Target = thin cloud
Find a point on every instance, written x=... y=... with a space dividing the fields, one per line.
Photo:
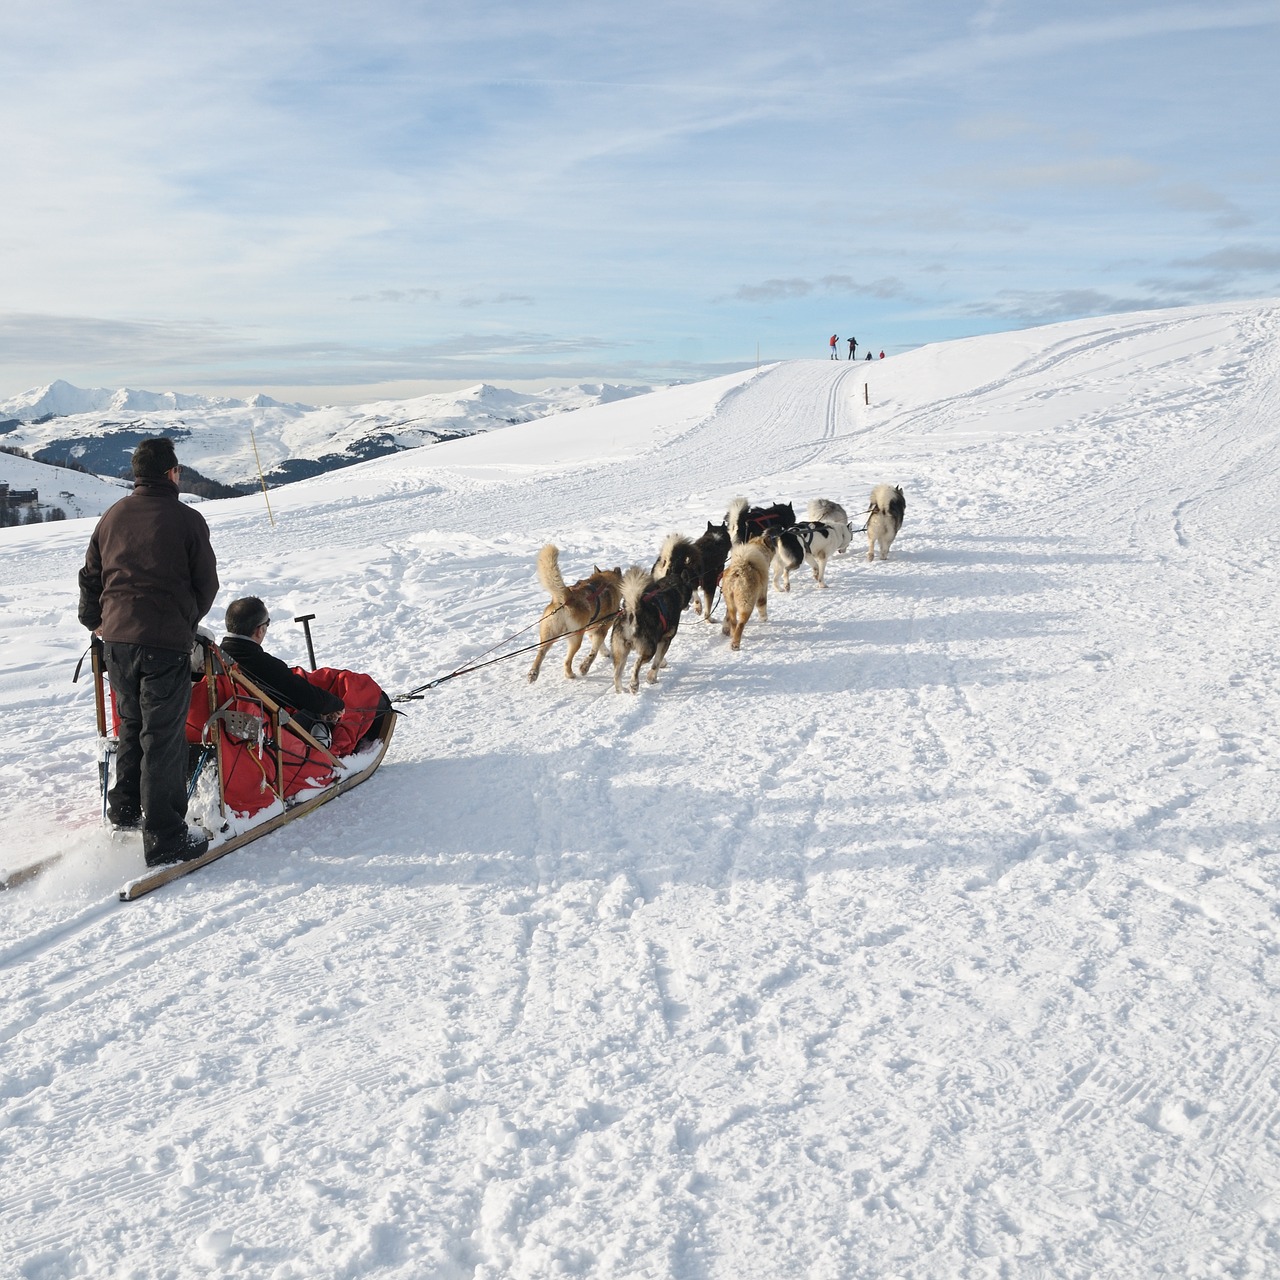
x=1194 y=197
x=787 y=290
x=213 y=355
x=1031 y=308
x=774 y=290
x=1236 y=260
x=498 y=300
x=1099 y=171
x=991 y=46
x=399 y=295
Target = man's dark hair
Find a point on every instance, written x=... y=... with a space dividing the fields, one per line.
x=246 y=615
x=154 y=458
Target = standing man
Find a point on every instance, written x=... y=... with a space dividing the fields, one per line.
x=149 y=576
x=853 y=346
x=835 y=350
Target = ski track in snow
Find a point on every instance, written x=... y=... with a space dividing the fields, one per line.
x=933 y=934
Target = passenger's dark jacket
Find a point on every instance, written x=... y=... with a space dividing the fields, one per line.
x=150 y=574
x=276 y=680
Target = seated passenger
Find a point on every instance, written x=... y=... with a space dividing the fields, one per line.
x=314 y=707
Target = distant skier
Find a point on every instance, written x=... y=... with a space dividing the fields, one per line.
x=882 y=355
x=868 y=355
x=853 y=346
x=835 y=350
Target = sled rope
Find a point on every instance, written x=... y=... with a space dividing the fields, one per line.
x=415 y=695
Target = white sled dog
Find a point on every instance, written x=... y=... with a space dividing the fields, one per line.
x=585 y=609
x=745 y=586
x=810 y=541
x=884 y=519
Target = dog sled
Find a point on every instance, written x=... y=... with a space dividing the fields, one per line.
x=240 y=741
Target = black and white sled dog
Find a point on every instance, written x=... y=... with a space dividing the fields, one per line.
x=680 y=555
x=746 y=522
x=647 y=622
x=700 y=562
x=884 y=518
x=827 y=512
x=812 y=541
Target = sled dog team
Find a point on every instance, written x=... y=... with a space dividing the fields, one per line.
x=639 y=610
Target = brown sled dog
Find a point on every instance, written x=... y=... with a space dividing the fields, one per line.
x=585 y=609
x=745 y=586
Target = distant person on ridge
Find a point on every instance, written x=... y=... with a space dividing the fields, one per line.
x=882 y=355
x=149 y=576
x=835 y=350
x=868 y=355
x=853 y=346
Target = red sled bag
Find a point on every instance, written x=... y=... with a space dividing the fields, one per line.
x=304 y=767
x=362 y=697
x=248 y=774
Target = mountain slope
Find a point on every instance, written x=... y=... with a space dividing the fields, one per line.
x=227 y=439
x=932 y=934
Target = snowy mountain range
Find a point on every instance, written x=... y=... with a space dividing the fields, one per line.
x=933 y=934
x=225 y=439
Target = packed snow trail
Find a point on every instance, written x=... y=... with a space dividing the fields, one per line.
x=933 y=934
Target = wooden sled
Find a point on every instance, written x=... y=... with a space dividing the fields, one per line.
x=273 y=718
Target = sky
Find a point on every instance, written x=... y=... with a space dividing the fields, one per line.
x=332 y=202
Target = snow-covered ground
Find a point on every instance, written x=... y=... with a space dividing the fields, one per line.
x=935 y=933
x=228 y=439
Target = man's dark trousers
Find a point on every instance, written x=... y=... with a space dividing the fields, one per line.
x=152 y=689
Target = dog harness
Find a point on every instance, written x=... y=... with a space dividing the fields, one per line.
x=596 y=592
x=655 y=598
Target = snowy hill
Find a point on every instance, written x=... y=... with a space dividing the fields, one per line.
x=932 y=934
x=72 y=492
x=99 y=428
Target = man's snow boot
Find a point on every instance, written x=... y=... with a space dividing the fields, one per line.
x=185 y=849
x=128 y=817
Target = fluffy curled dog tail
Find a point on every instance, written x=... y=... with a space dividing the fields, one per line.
x=736 y=519
x=888 y=500
x=549 y=573
x=825 y=511
x=635 y=582
x=662 y=565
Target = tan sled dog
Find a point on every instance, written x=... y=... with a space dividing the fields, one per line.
x=587 y=608
x=745 y=586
